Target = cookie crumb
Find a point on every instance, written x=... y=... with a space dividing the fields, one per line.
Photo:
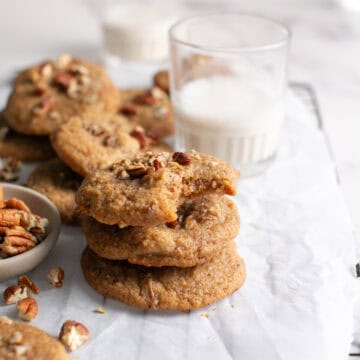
x=205 y=315
x=100 y=310
x=214 y=308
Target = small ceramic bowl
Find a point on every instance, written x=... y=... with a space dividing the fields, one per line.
x=40 y=205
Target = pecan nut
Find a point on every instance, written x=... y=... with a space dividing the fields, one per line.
x=139 y=135
x=181 y=158
x=15 y=293
x=24 y=280
x=27 y=308
x=73 y=334
x=56 y=276
x=17 y=240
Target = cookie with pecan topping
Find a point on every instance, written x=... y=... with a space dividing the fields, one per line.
x=94 y=140
x=23 y=341
x=148 y=190
x=23 y=147
x=59 y=183
x=47 y=95
x=202 y=228
x=149 y=108
x=166 y=288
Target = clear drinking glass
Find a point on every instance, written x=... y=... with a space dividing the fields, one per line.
x=228 y=81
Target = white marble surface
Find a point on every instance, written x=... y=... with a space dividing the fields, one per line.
x=325 y=52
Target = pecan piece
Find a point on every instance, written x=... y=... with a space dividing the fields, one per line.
x=128 y=109
x=64 y=80
x=28 y=309
x=15 y=293
x=137 y=172
x=56 y=276
x=73 y=334
x=139 y=135
x=157 y=164
x=181 y=158
x=172 y=224
x=24 y=280
x=40 y=89
x=146 y=98
x=45 y=70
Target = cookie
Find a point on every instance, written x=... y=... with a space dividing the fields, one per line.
x=94 y=140
x=166 y=288
x=148 y=190
x=203 y=227
x=23 y=147
x=161 y=80
x=47 y=95
x=59 y=183
x=23 y=341
x=150 y=109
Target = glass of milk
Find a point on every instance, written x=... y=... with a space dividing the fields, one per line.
x=228 y=81
x=135 y=30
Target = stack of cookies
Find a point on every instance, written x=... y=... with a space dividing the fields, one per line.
x=69 y=111
x=160 y=231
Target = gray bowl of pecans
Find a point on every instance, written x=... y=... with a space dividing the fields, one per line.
x=29 y=229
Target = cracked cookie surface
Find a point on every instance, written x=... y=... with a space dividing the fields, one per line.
x=47 y=95
x=148 y=190
x=59 y=183
x=203 y=227
x=166 y=288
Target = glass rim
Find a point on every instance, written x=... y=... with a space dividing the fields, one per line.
x=234 y=50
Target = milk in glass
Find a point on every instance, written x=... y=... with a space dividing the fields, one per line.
x=230 y=117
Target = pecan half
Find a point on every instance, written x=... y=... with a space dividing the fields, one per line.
x=181 y=158
x=17 y=240
x=9 y=218
x=18 y=204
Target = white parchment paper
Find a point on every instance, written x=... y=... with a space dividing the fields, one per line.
x=297 y=303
